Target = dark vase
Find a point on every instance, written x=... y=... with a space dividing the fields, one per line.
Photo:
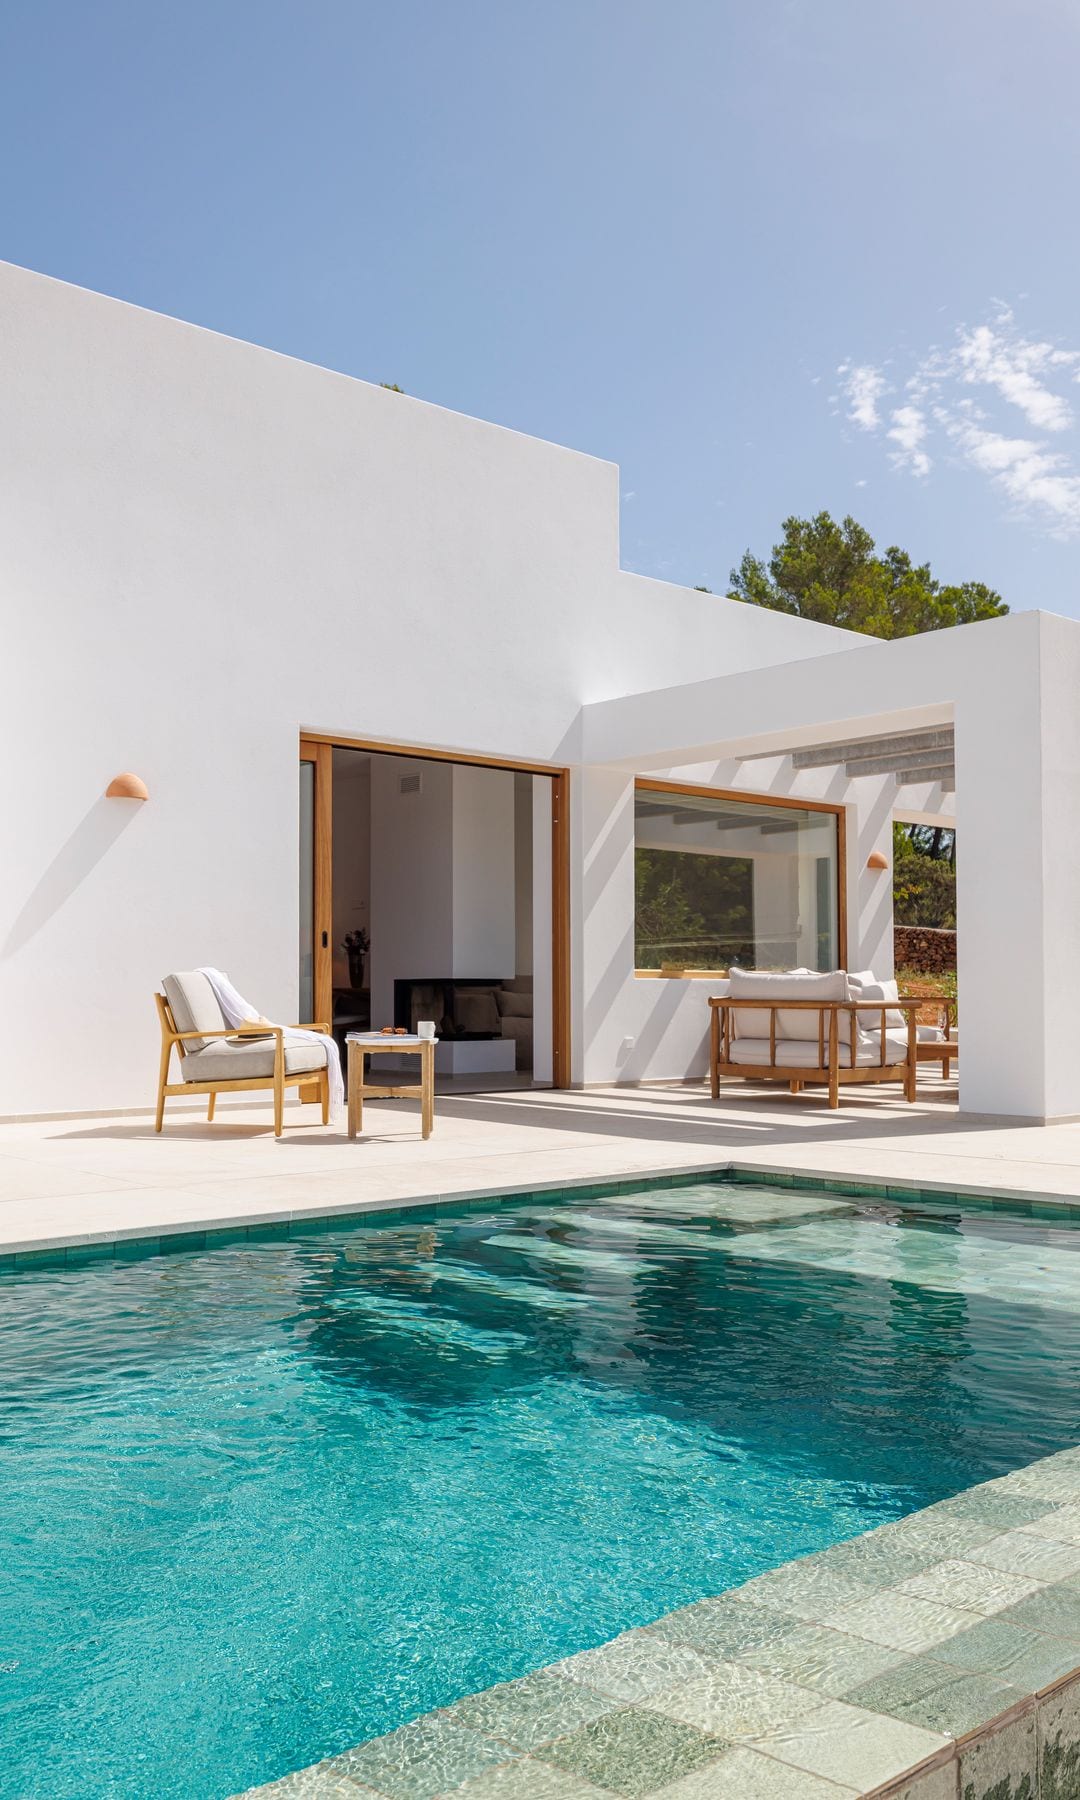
x=357 y=959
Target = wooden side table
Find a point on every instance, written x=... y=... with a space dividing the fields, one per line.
x=364 y=1043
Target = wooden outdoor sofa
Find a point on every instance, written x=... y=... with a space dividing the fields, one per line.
x=807 y=1030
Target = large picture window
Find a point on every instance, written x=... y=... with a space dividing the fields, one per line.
x=721 y=881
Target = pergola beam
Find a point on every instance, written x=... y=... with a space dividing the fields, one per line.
x=890 y=751
x=945 y=774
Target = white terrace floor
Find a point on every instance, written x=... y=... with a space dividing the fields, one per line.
x=85 y=1180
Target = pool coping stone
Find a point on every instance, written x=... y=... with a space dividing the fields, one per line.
x=68 y=1249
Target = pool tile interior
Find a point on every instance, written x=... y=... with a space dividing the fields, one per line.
x=835 y=1674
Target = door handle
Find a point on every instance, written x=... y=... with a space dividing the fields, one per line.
x=325 y=941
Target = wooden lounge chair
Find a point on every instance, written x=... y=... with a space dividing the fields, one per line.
x=216 y=1058
x=809 y=1030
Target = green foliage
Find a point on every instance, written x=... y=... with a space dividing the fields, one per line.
x=831 y=573
x=924 y=889
x=698 y=910
x=934 y=841
x=391 y=387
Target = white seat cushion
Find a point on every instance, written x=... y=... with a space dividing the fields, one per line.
x=230 y=1060
x=869 y=1051
x=791 y=985
x=799 y=1053
x=194 y=1006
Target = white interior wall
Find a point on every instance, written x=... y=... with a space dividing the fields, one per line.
x=442 y=875
x=523 y=874
x=352 y=853
x=412 y=877
x=483 y=924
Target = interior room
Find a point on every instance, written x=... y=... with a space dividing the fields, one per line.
x=441 y=882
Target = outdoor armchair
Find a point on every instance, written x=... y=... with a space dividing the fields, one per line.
x=216 y=1058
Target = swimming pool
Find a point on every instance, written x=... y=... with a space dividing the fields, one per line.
x=262 y=1502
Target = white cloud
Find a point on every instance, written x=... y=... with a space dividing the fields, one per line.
x=1038 y=481
x=997 y=356
x=968 y=394
x=862 y=386
x=907 y=432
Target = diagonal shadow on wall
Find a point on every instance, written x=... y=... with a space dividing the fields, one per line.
x=92 y=838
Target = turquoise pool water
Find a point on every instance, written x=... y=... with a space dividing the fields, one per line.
x=262 y=1502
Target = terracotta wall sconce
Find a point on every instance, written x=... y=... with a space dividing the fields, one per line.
x=127 y=787
x=877 y=860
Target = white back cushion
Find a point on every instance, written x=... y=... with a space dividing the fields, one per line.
x=880 y=990
x=790 y=985
x=194 y=1006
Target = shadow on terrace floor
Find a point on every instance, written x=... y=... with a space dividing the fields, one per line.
x=754 y=1116
x=744 y=1115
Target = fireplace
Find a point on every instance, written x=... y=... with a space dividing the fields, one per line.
x=462 y=1008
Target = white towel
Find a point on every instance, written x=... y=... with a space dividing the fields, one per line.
x=238 y=1011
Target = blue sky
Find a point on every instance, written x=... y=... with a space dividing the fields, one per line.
x=769 y=257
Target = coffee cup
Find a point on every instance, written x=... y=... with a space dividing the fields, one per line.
x=425 y=1028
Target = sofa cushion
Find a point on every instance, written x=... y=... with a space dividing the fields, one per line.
x=231 y=1060
x=879 y=990
x=194 y=1006
x=789 y=985
x=475 y=1010
x=512 y=1005
x=798 y=1053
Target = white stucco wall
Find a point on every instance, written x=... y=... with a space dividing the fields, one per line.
x=1010 y=685
x=205 y=547
x=639 y=1029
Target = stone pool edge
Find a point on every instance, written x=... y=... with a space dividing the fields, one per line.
x=878 y=1668
x=71 y=1248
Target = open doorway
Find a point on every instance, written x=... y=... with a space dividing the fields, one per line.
x=431 y=889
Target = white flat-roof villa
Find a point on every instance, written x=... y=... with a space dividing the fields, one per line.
x=474 y=1462
x=326 y=623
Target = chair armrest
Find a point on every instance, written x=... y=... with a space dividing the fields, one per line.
x=312 y=1025
x=230 y=1031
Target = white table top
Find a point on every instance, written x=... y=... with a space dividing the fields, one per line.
x=395 y=1041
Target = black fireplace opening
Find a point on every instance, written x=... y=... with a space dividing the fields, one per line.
x=461 y=1007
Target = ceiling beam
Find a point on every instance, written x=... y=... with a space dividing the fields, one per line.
x=946 y=774
x=887 y=765
x=896 y=745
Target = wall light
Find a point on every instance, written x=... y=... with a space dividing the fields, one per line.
x=877 y=860
x=127 y=787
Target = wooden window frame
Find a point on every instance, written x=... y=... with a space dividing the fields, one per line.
x=790 y=804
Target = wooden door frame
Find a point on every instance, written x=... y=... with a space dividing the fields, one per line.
x=322 y=896
x=318 y=747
